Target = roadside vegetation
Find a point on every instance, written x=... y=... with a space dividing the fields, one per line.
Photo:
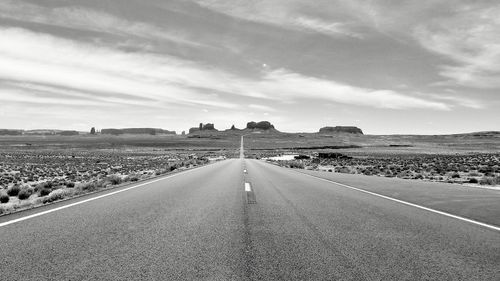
x=480 y=169
x=29 y=178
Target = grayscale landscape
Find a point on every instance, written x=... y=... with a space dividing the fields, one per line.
x=249 y=140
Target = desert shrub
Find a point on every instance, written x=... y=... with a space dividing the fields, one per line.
x=4 y=198
x=486 y=181
x=132 y=178
x=87 y=186
x=296 y=165
x=13 y=190
x=418 y=176
x=57 y=195
x=160 y=172
x=366 y=172
x=70 y=184
x=43 y=185
x=486 y=169
x=58 y=186
x=101 y=183
x=44 y=192
x=490 y=180
x=342 y=169
x=114 y=179
x=455 y=176
x=24 y=193
x=473 y=180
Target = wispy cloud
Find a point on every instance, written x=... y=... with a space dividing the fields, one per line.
x=29 y=57
x=285 y=14
x=460 y=101
x=470 y=39
x=45 y=94
x=285 y=85
x=330 y=28
x=86 y=19
x=261 y=107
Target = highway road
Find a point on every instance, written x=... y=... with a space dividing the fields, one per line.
x=243 y=219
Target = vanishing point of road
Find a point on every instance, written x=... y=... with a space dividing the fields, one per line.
x=244 y=219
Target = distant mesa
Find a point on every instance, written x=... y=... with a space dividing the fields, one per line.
x=203 y=127
x=38 y=132
x=232 y=130
x=483 y=134
x=7 y=132
x=208 y=126
x=209 y=130
x=340 y=129
x=137 y=131
x=42 y=132
x=69 y=133
x=262 y=125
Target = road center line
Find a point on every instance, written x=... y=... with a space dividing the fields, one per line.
x=248 y=188
x=493 y=227
x=93 y=198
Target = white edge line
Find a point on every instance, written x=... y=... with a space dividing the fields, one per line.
x=93 y=198
x=408 y=203
x=248 y=188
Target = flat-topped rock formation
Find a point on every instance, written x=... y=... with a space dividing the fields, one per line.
x=137 y=131
x=340 y=129
x=262 y=125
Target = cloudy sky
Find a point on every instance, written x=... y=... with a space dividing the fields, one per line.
x=420 y=67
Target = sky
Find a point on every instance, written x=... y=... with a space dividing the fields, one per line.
x=388 y=67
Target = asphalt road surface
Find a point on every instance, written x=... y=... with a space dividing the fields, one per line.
x=243 y=219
